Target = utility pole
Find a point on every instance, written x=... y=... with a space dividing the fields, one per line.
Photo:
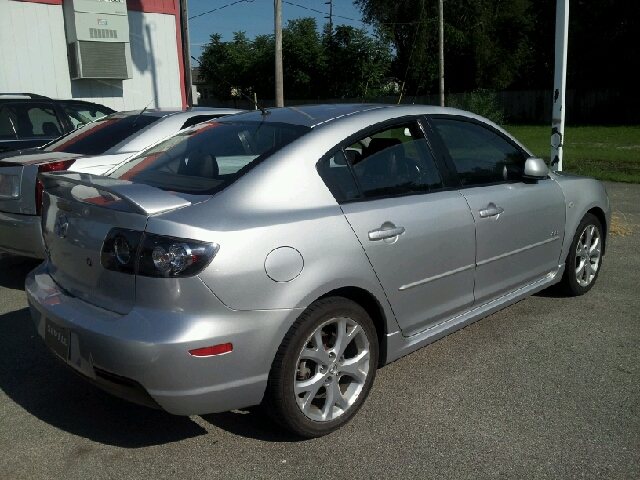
x=559 y=84
x=278 y=27
x=186 y=51
x=330 y=17
x=441 y=49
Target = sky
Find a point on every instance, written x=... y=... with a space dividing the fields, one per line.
x=255 y=17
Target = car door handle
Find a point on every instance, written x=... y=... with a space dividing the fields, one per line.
x=491 y=211
x=382 y=233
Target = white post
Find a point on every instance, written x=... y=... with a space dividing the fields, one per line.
x=278 y=35
x=559 y=84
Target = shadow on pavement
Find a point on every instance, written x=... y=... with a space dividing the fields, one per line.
x=251 y=422
x=14 y=269
x=37 y=381
x=554 y=291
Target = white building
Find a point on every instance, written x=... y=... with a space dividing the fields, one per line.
x=125 y=54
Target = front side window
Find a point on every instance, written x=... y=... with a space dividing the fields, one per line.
x=206 y=158
x=479 y=154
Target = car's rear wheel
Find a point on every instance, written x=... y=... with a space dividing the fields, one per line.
x=324 y=368
x=585 y=257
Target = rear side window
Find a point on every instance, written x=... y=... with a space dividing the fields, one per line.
x=480 y=155
x=394 y=161
x=198 y=119
x=29 y=120
x=208 y=157
x=102 y=135
x=80 y=114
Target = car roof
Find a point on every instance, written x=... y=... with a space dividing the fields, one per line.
x=164 y=112
x=313 y=116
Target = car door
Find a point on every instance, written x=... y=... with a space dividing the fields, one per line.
x=419 y=236
x=519 y=223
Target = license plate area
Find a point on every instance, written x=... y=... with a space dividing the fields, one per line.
x=9 y=186
x=57 y=338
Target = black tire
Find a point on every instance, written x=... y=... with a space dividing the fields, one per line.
x=570 y=284
x=288 y=370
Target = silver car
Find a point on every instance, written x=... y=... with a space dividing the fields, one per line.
x=280 y=259
x=92 y=148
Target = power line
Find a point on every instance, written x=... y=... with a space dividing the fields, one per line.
x=306 y=8
x=318 y=11
x=219 y=8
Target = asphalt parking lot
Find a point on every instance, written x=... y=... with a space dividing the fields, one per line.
x=547 y=388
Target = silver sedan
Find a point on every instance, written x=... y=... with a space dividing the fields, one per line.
x=281 y=258
x=91 y=148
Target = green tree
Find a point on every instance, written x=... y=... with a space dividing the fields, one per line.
x=486 y=41
x=347 y=63
x=356 y=63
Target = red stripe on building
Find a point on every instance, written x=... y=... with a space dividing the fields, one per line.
x=154 y=6
x=148 y=6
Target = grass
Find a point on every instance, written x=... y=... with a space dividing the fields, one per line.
x=606 y=153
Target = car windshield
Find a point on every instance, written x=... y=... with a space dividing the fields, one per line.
x=97 y=137
x=208 y=157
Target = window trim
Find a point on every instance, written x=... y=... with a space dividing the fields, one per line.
x=447 y=156
x=372 y=129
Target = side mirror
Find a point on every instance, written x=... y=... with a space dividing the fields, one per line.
x=535 y=169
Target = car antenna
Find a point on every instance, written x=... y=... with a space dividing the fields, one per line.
x=264 y=112
x=140 y=114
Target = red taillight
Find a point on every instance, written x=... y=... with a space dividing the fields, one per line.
x=211 y=351
x=48 y=167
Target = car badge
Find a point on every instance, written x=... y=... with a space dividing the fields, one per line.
x=62 y=225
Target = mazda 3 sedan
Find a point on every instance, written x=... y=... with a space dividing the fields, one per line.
x=281 y=258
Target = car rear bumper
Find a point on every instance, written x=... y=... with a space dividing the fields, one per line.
x=21 y=235
x=143 y=356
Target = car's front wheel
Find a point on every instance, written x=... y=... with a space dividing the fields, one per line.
x=585 y=257
x=324 y=368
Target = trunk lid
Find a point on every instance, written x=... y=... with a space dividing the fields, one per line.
x=78 y=212
x=24 y=169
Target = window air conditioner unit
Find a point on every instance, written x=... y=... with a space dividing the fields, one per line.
x=98 y=39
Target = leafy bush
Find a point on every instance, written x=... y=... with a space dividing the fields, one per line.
x=480 y=102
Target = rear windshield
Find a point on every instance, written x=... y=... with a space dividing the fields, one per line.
x=97 y=137
x=208 y=157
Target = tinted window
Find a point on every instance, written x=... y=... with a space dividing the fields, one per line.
x=7 y=131
x=479 y=154
x=80 y=114
x=393 y=161
x=29 y=120
x=197 y=119
x=103 y=134
x=337 y=174
x=206 y=158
